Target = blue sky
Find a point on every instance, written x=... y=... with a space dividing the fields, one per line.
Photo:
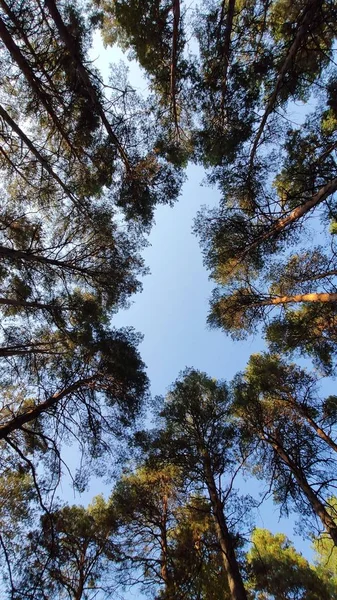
x=171 y=310
x=171 y=313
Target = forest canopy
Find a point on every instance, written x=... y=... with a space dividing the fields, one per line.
x=85 y=162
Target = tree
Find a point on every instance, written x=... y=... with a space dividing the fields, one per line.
x=278 y=571
x=68 y=260
x=289 y=451
x=155 y=34
x=146 y=503
x=65 y=94
x=325 y=555
x=70 y=555
x=274 y=178
x=196 y=556
x=166 y=537
x=198 y=437
x=17 y=510
x=295 y=392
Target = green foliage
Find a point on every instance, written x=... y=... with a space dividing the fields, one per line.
x=71 y=554
x=326 y=555
x=84 y=166
x=278 y=571
x=282 y=420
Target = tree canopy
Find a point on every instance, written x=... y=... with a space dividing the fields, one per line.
x=246 y=90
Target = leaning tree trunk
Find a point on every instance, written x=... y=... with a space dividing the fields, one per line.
x=235 y=583
x=31 y=414
x=292 y=218
x=316 y=504
x=312 y=297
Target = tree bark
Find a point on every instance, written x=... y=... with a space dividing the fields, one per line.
x=230 y=564
x=316 y=504
x=25 y=349
x=43 y=161
x=175 y=35
x=35 y=84
x=33 y=413
x=296 y=214
x=313 y=297
x=25 y=304
x=225 y=48
x=320 y=432
x=73 y=51
x=7 y=9
x=164 y=570
x=307 y=18
x=31 y=257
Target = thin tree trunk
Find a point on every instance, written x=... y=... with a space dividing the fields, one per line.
x=43 y=161
x=230 y=564
x=164 y=571
x=225 y=46
x=323 y=275
x=25 y=304
x=31 y=257
x=175 y=35
x=81 y=579
x=320 y=432
x=313 y=297
x=26 y=350
x=31 y=48
x=316 y=504
x=82 y=71
x=35 y=84
x=33 y=413
x=296 y=214
x=307 y=18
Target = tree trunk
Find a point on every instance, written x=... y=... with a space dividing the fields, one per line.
x=302 y=31
x=175 y=35
x=31 y=257
x=316 y=504
x=25 y=304
x=82 y=71
x=230 y=564
x=164 y=570
x=7 y=9
x=225 y=49
x=313 y=297
x=281 y=224
x=43 y=161
x=320 y=432
x=35 y=84
x=25 y=349
x=33 y=413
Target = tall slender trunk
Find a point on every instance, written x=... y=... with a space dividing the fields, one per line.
x=28 y=349
x=175 y=35
x=318 y=507
x=225 y=49
x=78 y=592
x=43 y=161
x=306 y=20
x=32 y=257
x=21 y=32
x=164 y=570
x=295 y=215
x=33 y=413
x=313 y=297
x=230 y=564
x=35 y=84
x=25 y=304
x=320 y=432
x=83 y=73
